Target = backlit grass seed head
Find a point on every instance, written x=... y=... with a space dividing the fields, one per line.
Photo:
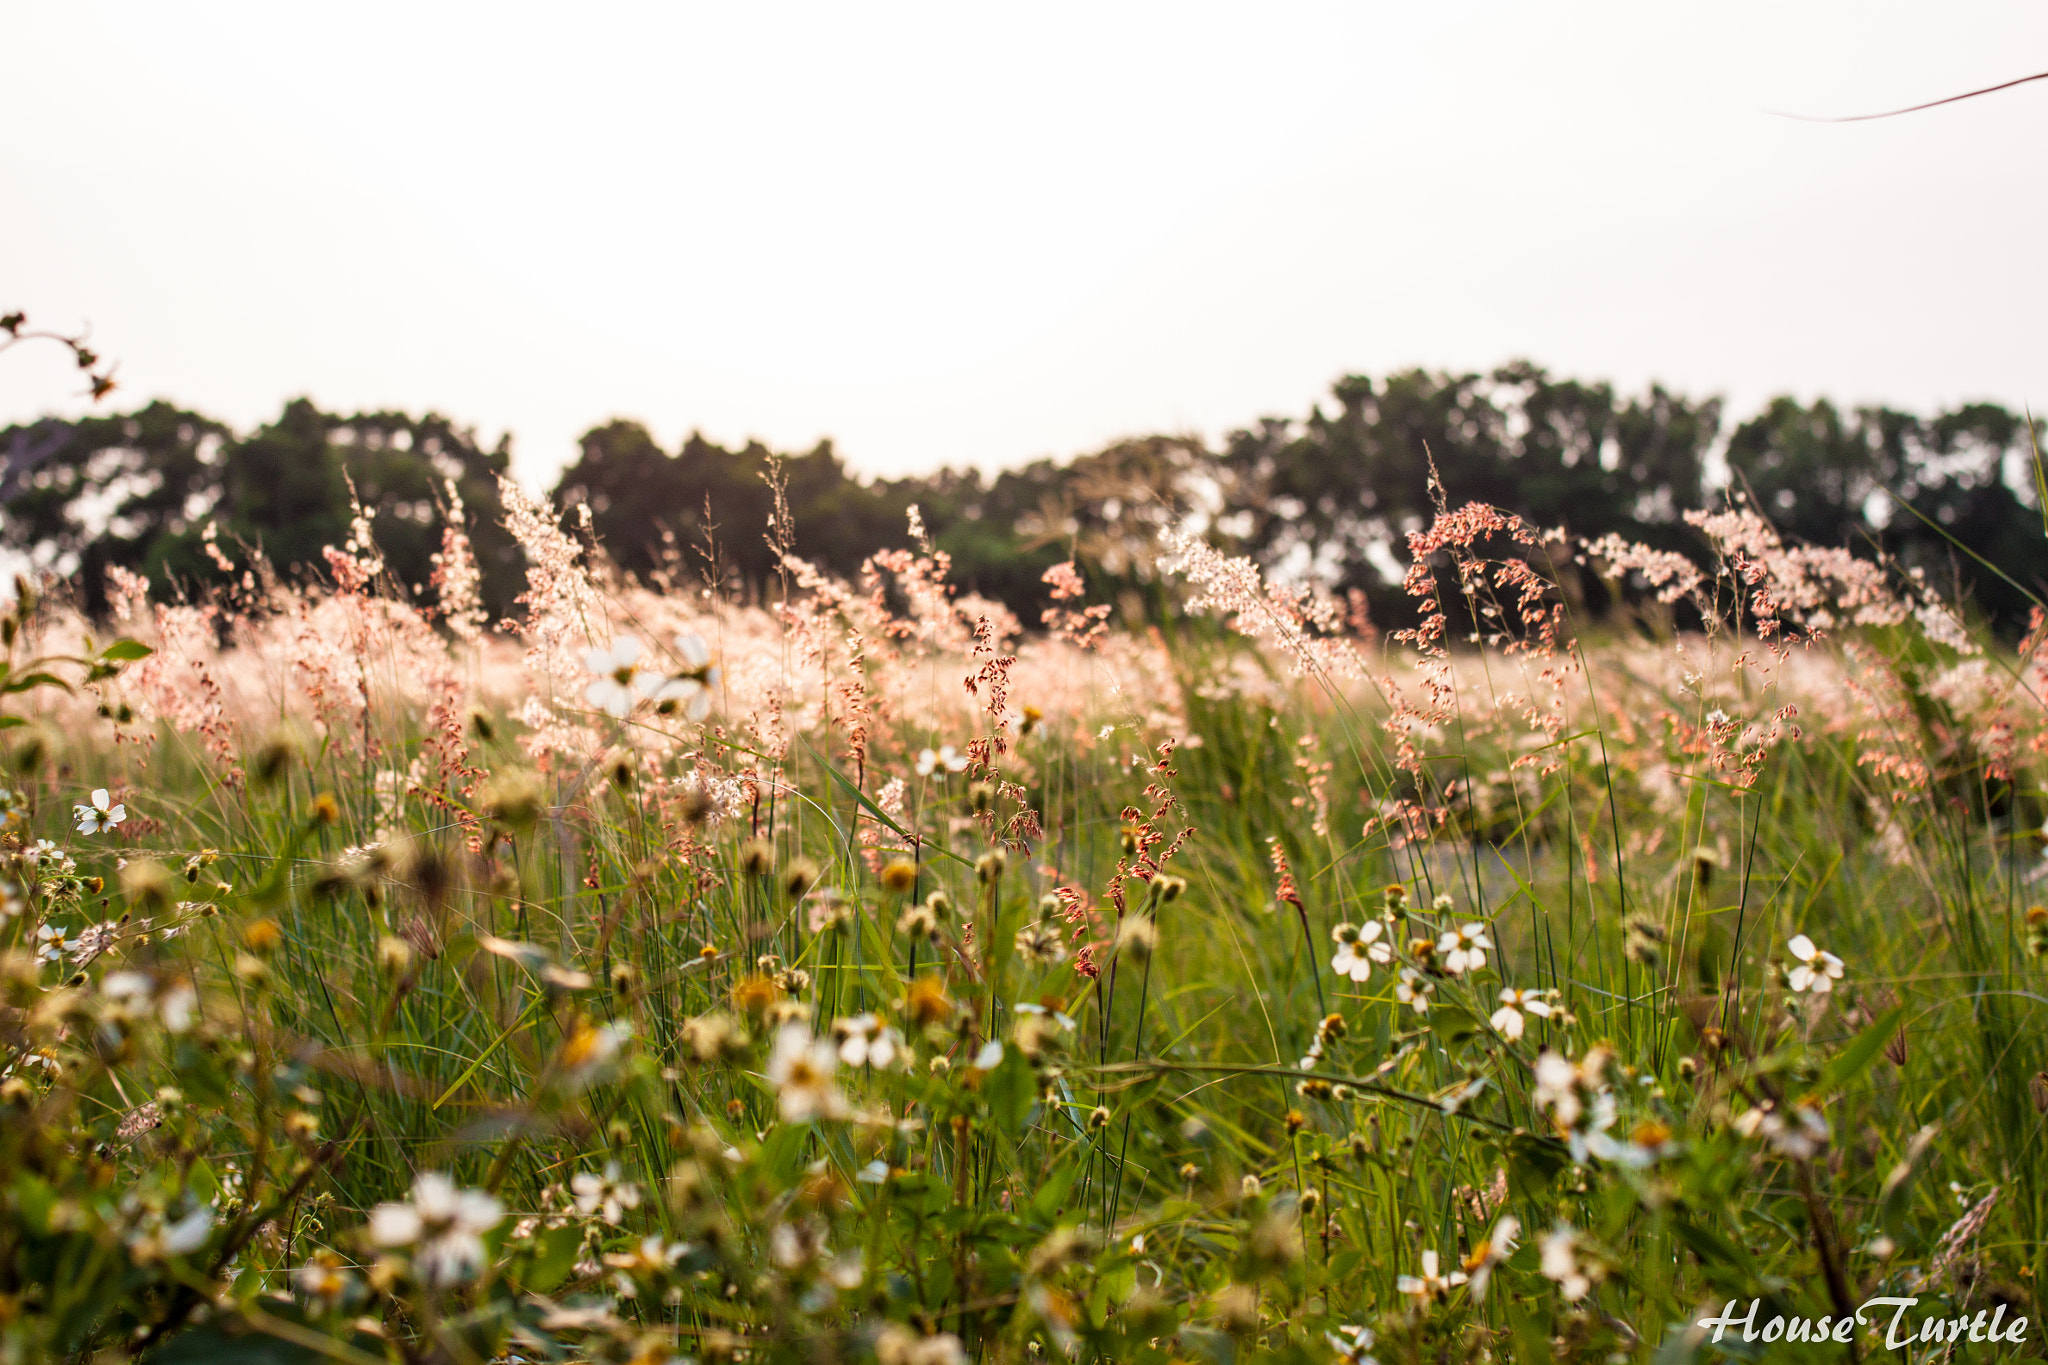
x=989 y=866
x=981 y=797
x=799 y=877
x=1250 y=1187
x=1236 y=1308
x=147 y=886
x=325 y=810
x=1313 y=1089
x=1274 y=1244
x=757 y=857
x=2037 y=930
x=1644 y=943
x=716 y=1037
x=926 y=1002
x=394 y=955
x=695 y=805
x=899 y=876
x=262 y=936
x=918 y=921
x=941 y=906
x=1098 y=1119
x=513 y=798
x=1129 y=841
x=1137 y=936
x=1041 y=945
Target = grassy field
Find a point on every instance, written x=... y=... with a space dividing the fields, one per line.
x=861 y=976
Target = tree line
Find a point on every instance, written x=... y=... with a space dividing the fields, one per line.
x=1329 y=495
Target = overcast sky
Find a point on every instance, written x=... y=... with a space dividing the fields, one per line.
x=970 y=233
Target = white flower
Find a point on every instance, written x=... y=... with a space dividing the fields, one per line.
x=945 y=756
x=99 y=815
x=444 y=1222
x=1513 y=1005
x=618 y=676
x=133 y=989
x=188 y=1234
x=1498 y=1246
x=801 y=1068
x=52 y=942
x=1351 y=1344
x=1358 y=948
x=1802 y=1137
x=690 y=687
x=1818 y=971
x=1414 y=990
x=1557 y=1087
x=875 y=1172
x=177 y=1005
x=865 y=1041
x=1464 y=948
x=1561 y=1263
x=605 y=1194
x=1429 y=1284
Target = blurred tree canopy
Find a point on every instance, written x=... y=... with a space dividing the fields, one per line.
x=1328 y=497
x=139 y=491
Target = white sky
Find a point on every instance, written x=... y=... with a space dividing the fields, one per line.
x=970 y=233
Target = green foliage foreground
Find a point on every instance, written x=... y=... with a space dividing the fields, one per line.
x=1530 y=1002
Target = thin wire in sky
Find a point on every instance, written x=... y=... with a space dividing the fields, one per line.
x=1915 y=108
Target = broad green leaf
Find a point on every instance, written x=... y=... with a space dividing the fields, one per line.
x=1852 y=1061
x=124 y=651
x=1011 y=1090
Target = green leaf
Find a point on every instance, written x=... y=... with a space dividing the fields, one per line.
x=553 y=1259
x=1532 y=1164
x=124 y=651
x=28 y=680
x=876 y=811
x=1052 y=1194
x=1453 y=1023
x=9 y=722
x=1011 y=1090
x=1852 y=1061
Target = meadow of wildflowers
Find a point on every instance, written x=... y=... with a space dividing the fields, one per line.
x=867 y=974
